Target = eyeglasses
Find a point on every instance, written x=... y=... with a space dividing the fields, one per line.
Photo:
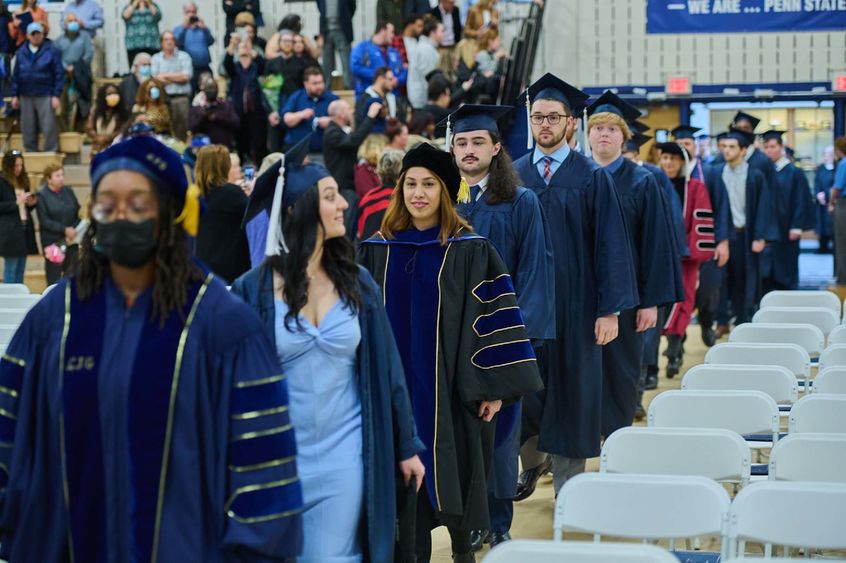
x=136 y=210
x=553 y=118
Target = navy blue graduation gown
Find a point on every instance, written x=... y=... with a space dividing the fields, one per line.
x=761 y=224
x=127 y=441
x=674 y=206
x=793 y=203
x=823 y=180
x=462 y=340
x=518 y=230
x=594 y=277
x=659 y=280
x=388 y=431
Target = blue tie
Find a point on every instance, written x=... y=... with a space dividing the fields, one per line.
x=474 y=193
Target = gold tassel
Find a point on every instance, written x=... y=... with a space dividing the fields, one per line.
x=463 y=192
x=190 y=216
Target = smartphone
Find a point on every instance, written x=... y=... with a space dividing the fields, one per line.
x=242 y=33
x=249 y=173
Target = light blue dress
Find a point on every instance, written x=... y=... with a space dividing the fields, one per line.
x=325 y=409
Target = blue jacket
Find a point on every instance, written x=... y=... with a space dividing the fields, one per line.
x=388 y=431
x=365 y=60
x=299 y=101
x=39 y=73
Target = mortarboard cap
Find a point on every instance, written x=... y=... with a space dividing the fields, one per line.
x=672 y=148
x=638 y=126
x=745 y=139
x=442 y=164
x=637 y=141
x=684 y=132
x=612 y=103
x=551 y=87
x=474 y=117
x=276 y=190
x=773 y=134
x=789 y=152
x=743 y=116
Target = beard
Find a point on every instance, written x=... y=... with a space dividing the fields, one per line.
x=556 y=138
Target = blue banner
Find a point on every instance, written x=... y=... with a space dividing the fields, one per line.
x=736 y=16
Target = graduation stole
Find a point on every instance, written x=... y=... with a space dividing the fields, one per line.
x=152 y=395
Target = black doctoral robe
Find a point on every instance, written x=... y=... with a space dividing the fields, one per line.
x=594 y=277
x=462 y=340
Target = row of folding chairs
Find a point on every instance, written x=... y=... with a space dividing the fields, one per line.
x=15 y=303
x=13 y=289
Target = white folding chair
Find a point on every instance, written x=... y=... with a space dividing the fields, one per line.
x=12 y=316
x=721 y=455
x=831 y=380
x=545 y=551
x=779 y=560
x=822 y=317
x=18 y=301
x=791 y=356
x=647 y=507
x=833 y=356
x=809 y=457
x=776 y=381
x=838 y=335
x=802 y=515
x=804 y=335
x=13 y=289
x=7 y=332
x=802 y=298
x=818 y=412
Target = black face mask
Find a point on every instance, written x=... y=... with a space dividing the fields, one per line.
x=126 y=243
x=211 y=94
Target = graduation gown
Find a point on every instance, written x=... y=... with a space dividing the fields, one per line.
x=127 y=441
x=793 y=203
x=659 y=281
x=518 y=230
x=823 y=180
x=594 y=277
x=462 y=340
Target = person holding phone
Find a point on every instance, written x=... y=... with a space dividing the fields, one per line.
x=193 y=37
x=141 y=18
x=17 y=234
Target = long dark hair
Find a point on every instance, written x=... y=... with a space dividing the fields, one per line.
x=301 y=237
x=7 y=170
x=101 y=109
x=175 y=269
x=502 y=180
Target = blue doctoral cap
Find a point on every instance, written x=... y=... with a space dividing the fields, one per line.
x=743 y=116
x=637 y=141
x=148 y=156
x=200 y=141
x=773 y=134
x=684 y=132
x=612 y=103
x=475 y=117
x=275 y=192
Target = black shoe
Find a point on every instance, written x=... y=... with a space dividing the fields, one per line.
x=640 y=413
x=651 y=381
x=464 y=557
x=673 y=367
x=709 y=337
x=528 y=479
x=497 y=538
x=478 y=538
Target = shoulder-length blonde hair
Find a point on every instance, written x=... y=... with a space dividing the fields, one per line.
x=372 y=148
x=212 y=168
x=397 y=217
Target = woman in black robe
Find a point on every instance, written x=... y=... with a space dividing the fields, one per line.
x=461 y=337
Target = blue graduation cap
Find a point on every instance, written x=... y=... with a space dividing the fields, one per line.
x=743 y=116
x=550 y=87
x=279 y=187
x=637 y=141
x=790 y=152
x=684 y=132
x=745 y=139
x=773 y=134
x=474 y=117
x=612 y=103
x=442 y=164
x=638 y=126
x=673 y=148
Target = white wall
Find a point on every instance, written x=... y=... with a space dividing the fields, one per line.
x=604 y=42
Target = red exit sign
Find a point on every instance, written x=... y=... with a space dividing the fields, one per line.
x=678 y=85
x=839 y=82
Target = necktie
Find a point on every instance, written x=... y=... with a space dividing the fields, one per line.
x=474 y=193
x=547 y=169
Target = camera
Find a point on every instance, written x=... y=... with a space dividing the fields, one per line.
x=193 y=20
